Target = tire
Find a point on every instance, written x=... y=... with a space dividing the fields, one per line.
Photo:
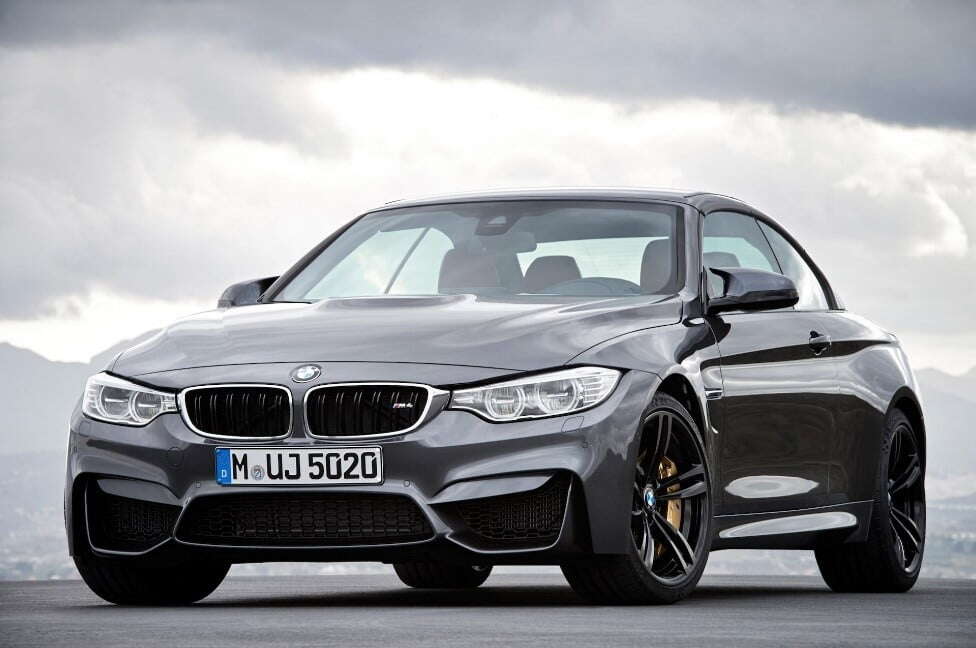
x=882 y=563
x=440 y=575
x=127 y=582
x=631 y=579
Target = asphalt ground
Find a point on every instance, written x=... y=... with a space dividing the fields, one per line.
x=509 y=610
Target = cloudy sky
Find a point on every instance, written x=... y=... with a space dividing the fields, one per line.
x=152 y=153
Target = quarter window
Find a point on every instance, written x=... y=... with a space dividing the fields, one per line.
x=733 y=240
x=811 y=292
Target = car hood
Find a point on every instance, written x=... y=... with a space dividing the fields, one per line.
x=517 y=333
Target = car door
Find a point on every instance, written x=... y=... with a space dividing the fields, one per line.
x=777 y=423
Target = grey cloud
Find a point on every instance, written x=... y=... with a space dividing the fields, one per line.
x=906 y=62
x=102 y=123
x=91 y=148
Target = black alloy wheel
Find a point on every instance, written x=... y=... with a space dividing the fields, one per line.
x=906 y=497
x=891 y=558
x=670 y=518
x=670 y=498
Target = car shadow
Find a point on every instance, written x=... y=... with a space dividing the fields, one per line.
x=498 y=596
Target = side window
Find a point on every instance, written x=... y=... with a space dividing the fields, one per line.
x=808 y=286
x=732 y=240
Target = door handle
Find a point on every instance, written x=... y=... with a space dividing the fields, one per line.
x=819 y=342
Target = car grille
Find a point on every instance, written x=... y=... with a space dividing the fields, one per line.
x=364 y=410
x=123 y=524
x=246 y=411
x=303 y=519
x=531 y=518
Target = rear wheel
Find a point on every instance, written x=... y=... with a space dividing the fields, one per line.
x=891 y=558
x=441 y=575
x=670 y=513
x=132 y=582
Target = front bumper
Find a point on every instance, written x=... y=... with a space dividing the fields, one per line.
x=452 y=470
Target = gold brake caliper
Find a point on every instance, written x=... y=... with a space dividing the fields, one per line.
x=666 y=469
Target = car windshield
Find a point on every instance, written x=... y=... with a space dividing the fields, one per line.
x=541 y=247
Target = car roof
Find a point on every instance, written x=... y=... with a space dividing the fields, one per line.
x=704 y=200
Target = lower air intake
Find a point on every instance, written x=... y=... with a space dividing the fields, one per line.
x=123 y=524
x=303 y=519
x=533 y=518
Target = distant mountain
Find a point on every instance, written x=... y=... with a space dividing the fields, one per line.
x=100 y=360
x=37 y=395
x=963 y=386
x=950 y=409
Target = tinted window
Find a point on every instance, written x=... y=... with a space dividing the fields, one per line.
x=734 y=240
x=808 y=286
x=369 y=271
x=613 y=257
x=420 y=271
x=578 y=248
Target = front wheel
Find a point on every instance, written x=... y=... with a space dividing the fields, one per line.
x=670 y=514
x=134 y=582
x=891 y=558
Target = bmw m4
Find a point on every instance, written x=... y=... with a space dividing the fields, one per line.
x=617 y=382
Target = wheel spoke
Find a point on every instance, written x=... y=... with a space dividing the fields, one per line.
x=899 y=545
x=695 y=471
x=638 y=506
x=696 y=489
x=663 y=439
x=641 y=473
x=906 y=529
x=907 y=477
x=894 y=454
x=643 y=541
x=647 y=547
x=672 y=537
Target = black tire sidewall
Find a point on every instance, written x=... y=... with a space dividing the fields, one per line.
x=880 y=528
x=139 y=582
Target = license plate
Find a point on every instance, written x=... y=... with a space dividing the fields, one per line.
x=297 y=466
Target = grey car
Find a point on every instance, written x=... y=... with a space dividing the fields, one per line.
x=613 y=381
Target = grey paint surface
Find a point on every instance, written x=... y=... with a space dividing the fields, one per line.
x=449 y=329
x=510 y=609
x=456 y=339
x=454 y=447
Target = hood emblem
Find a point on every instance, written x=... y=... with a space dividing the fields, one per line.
x=306 y=373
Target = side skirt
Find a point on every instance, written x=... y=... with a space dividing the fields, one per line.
x=797 y=529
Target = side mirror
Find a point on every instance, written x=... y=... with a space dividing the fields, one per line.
x=245 y=292
x=748 y=290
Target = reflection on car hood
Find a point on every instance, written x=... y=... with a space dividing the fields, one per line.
x=517 y=333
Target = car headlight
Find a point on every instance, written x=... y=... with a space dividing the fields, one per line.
x=551 y=394
x=114 y=400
